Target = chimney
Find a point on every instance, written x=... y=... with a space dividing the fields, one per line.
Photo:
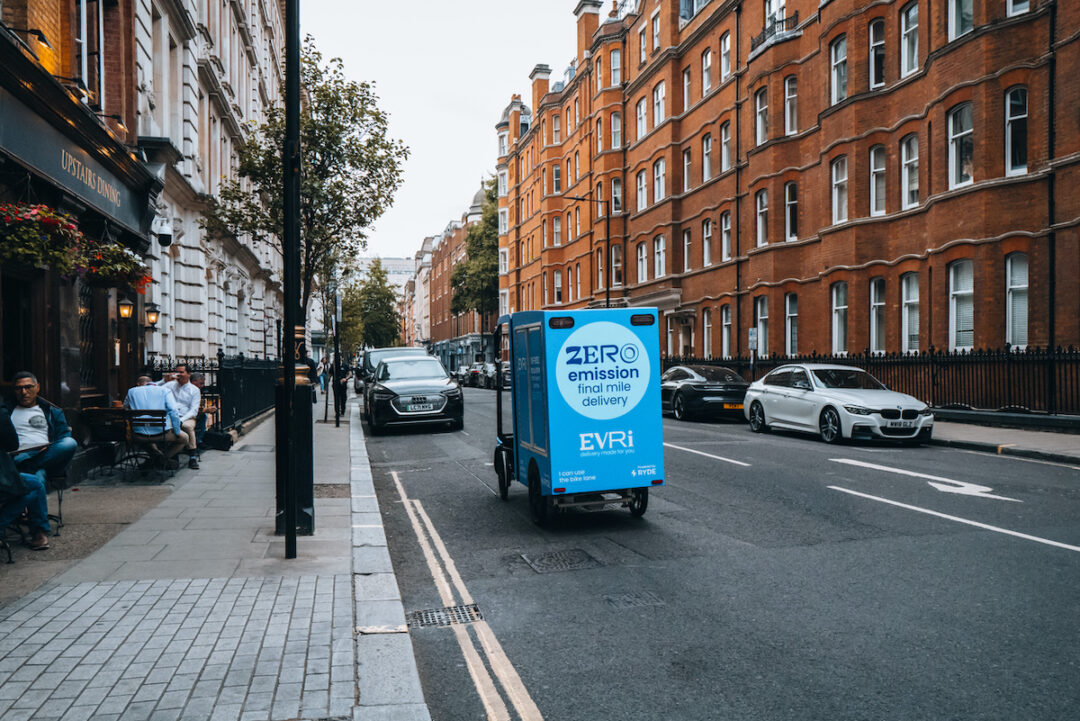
x=588 y=19
x=539 y=76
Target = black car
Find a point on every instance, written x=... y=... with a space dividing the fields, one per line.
x=701 y=390
x=370 y=361
x=407 y=390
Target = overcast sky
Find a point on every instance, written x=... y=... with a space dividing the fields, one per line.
x=444 y=71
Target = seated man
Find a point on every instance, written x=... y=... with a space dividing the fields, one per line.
x=30 y=493
x=199 y=380
x=45 y=442
x=187 y=397
x=148 y=397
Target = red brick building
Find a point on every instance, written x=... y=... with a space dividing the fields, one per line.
x=839 y=175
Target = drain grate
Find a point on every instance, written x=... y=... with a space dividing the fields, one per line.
x=449 y=616
x=635 y=600
x=572 y=560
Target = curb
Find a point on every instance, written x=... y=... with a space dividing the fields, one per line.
x=387 y=681
x=1008 y=450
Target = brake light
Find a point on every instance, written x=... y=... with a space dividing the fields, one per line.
x=658 y=482
x=559 y=490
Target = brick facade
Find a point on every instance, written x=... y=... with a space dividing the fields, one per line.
x=820 y=141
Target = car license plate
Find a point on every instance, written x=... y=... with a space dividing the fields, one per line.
x=421 y=407
x=900 y=424
x=733 y=406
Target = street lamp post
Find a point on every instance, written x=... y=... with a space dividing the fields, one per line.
x=605 y=207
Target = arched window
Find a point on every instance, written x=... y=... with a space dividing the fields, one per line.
x=1016 y=105
x=1016 y=298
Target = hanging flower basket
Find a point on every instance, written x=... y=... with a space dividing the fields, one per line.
x=37 y=235
x=111 y=265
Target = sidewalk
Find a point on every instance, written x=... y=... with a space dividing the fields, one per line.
x=1039 y=445
x=193 y=613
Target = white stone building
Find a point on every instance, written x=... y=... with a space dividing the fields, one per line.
x=421 y=312
x=206 y=70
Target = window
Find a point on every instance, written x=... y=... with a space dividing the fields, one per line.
x=774 y=12
x=659 y=104
x=839 y=318
x=656 y=31
x=504 y=302
x=706 y=333
x=600 y=206
x=569 y=227
x=616 y=195
x=616 y=130
x=642 y=263
x=761 y=322
x=616 y=67
x=686 y=89
x=599 y=74
x=577 y=166
x=599 y=268
x=577 y=222
x=641 y=46
x=725 y=147
x=839 y=190
x=961 y=145
x=556 y=231
x=659 y=257
x=687 y=249
x=616 y=266
x=961 y=305
x=706 y=72
x=877 y=180
x=877 y=53
x=877 y=315
x=687 y=165
x=577 y=281
x=791 y=324
x=504 y=261
x=706 y=158
x=838 y=59
x=791 y=105
x=641 y=119
x=1016 y=131
x=791 y=211
x=909 y=312
x=556 y=135
x=545 y=289
x=706 y=242
x=1016 y=296
x=761 y=204
x=761 y=116
x=658 y=180
x=502 y=144
x=504 y=221
x=502 y=183
x=909 y=174
x=642 y=197
x=960 y=18
x=909 y=39
x=1016 y=7
x=557 y=178
x=725 y=56
x=725 y=235
x=557 y=278
x=725 y=331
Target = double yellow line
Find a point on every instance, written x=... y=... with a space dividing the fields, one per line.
x=490 y=659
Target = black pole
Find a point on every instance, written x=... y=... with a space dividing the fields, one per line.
x=338 y=388
x=293 y=320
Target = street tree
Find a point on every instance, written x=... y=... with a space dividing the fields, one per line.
x=350 y=171
x=475 y=281
x=377 y=307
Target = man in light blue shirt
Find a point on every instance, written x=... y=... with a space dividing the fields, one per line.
x=145 y=397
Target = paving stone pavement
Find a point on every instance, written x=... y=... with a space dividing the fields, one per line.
x=125 y=635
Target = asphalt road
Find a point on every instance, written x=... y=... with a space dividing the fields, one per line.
x=773 y=577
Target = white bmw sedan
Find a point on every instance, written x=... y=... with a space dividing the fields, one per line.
x=836 y=402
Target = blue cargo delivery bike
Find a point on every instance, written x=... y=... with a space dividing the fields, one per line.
x=586 y=429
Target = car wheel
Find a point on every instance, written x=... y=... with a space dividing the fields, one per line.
x=829 y=425
x=678 y=407
x=539 y=506
x=757 y=418
x=639 y=501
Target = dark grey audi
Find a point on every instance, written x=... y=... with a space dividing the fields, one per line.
x=411 y=390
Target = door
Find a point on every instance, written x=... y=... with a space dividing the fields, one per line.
x=775 y=396
x=800 y=401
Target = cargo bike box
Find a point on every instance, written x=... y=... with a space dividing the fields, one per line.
x=587 y=429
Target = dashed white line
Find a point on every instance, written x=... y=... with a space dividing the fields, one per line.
x=707 y=455
x=957 y=519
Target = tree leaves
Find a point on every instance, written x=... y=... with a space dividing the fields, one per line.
x=475 y=281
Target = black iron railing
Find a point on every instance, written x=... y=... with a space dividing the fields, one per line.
x=1036 y=380
x=772 y=28
x=239 y=388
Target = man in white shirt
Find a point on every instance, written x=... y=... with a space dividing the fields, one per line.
x=187 y=397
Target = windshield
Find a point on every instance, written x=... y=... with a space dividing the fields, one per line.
x=718 y=374
x=847 y=378
x=406 y=369
x=372 y=357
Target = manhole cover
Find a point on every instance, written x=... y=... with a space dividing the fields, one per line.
x=449 y=616
x=573 y=560
x=257 y=448
x=634 y=600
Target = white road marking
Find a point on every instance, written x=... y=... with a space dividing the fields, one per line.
x=946 y=485
x=466 y=433
x=707 y=455
x=1022 y=459
x=497 y=659
x=984 y=526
